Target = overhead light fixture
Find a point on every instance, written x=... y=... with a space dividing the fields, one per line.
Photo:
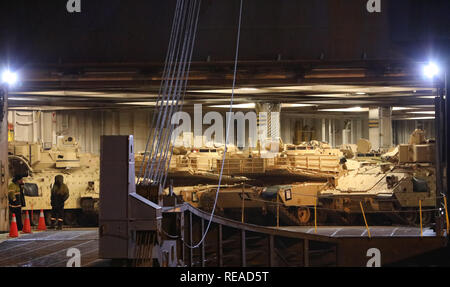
x=418 y=118
x=431 y=70
x=238 y=106
x=139 y=103
x=9 y=77
x=360 y=93
x=331 y=95
x=295 y=105
x=353 y=109
x=229 y=91
x=160 y=103
x=423 y=112
x=401 y=108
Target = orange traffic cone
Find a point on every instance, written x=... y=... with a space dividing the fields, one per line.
x=13 y=232
x=26 y=225
x=41 y=225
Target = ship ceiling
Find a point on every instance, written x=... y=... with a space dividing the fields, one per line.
x=302 y=87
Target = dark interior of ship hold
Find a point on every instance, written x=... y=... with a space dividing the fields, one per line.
x=226 y=133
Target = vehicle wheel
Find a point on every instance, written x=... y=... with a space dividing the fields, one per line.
x=87 y=219
x=411 y=217
x=70 y=217
x=303 y=215
x=354 y=218
x=427 y=217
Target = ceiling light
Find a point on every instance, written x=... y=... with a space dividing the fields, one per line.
x=295 y=105
x=229 y=91
x=140 y=103
x=419 y=118
x=238 y=106
x=431 y=70
x=353 y=109
x=401 y=108
x=423 y=112
x=9 y=77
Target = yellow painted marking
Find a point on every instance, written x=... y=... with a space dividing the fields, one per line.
x=367 y=226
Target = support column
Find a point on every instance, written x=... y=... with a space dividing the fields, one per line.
x=268 y=115
x=347 y=132
x=353 y=132
x=4 y=214
x=330 y=133
x=374 y=128
x=324 y=130
x=359 y=130
x=380 y=128
x=385 y=128
x=446 y=137
x=333 y=131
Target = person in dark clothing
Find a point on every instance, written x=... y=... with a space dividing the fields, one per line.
x=16 y=199
x=60 y=193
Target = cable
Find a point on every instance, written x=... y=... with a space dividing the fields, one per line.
x=165 y=101
x=226 y=134
x=186 y=59
x=174 y=21
x=172 y=98
x=172 y=89
x=185 y=86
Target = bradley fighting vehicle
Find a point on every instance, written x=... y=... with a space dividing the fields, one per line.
x=190 y=166
x=40 y=166
x=308 y=161
x=391 y=192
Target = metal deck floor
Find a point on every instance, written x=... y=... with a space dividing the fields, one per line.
x=49 y=248
x=361 y=231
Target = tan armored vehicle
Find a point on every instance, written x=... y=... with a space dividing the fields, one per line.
x=313 y=160
x=316 y=160
x=362 y=151
x=80 y=171
x=194 y=166
x=390 y=193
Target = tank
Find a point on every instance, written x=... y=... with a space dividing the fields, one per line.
x=192 y=166
x=40 y=166
x=393 y=191
x=308 y=161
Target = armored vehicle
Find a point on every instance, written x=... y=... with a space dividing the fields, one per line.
x=40 y=166
x=192 y=166
x=396 y=192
